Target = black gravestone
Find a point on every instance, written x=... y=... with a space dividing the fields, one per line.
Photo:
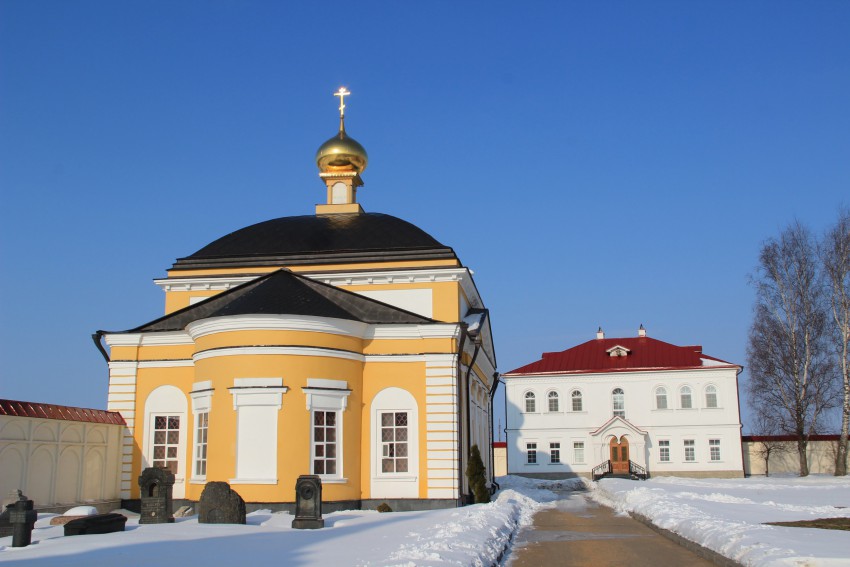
x=96 y=524
x=220 y=504
x=155 y=485
x=308 y=503
x=22 y=517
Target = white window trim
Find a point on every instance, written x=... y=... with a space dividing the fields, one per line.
x=560 y=454
x=558 y=401
x=329 y=396
x=669 y=454
x=716 y=397
x=525 y=403
x=201 y=395
x=583 y=452
x=254 y=392
x=536 y=453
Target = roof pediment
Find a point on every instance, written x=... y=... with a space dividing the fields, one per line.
x=617 y=423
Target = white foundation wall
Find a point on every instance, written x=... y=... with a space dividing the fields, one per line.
x=58 y=462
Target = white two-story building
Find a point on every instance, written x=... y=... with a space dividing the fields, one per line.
x=624 y=405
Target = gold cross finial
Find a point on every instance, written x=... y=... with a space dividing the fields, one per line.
x=342 y=93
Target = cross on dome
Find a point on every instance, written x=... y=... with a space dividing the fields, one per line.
x=342 y=93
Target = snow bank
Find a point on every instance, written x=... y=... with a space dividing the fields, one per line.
x=473 y=535
x=728 y=515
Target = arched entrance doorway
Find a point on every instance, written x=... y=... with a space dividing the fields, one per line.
x=619 y=455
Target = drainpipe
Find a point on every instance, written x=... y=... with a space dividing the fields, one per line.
x=469 y=397
x=461 y=342
x=494 y=486
x=96 y=337
x=741 y=427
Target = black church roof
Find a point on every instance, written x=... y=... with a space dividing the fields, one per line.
x=313 y=239
x=284 y=293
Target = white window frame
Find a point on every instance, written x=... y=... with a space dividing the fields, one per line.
x=573 y=398
x=621 y=412
x=578 y=452
x=686 y=392
x=529 y=397
x=552 y=396
x=328 y=396
x=663 y=450
x=201 y=395
x=554 y=452
x=714 y=454
x=531 y=453
x=167 y=400
x=690 y=450
x=711 y=390
x=661 y=396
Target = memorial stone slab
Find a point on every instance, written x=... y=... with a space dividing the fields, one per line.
x=308 y=503
x=155 y=486
x=220 y=504
x=96 y=524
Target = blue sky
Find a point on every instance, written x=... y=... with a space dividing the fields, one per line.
x=605 y=163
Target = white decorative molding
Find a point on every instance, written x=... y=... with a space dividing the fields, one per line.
x=329 y=325
x=438 y=331
x=328 y=395
x=278 y=350
x=148 y=339
x=177 y=363
x=221 y=283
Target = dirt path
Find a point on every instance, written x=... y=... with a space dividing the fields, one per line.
x=582 y=533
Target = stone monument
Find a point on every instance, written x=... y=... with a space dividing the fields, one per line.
x=22 y=517
x=308 y=503
x=155 y=485
x=220 y=504
x=96 y=524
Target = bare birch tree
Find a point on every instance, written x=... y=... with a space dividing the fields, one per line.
x=767 y=441
x=790 y=378
x=835 y=256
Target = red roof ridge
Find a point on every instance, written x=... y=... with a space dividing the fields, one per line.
x=17 y=408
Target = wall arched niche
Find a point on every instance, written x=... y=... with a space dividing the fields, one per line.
x=40 y=475
x=11 y=470
x=69 y=480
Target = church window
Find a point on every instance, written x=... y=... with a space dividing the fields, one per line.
x=530 y=403
x=531 y=453
x=619 y=402
x=578 y=451
x=166 y=441
x=664 y=450
x=325 y=442
x=555 y=453
x=690 y=451
x=711 y=396
x=661 y=398
x=394 y=442
x=201 y=428
x=685 y=395
x=714 y=449
x=576 y=400
x=553 y=401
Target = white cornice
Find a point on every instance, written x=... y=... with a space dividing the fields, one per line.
x=148 y=339
x=444 y=331
x=277 y=350
x=165 y=363
x=365 y=277
x=214 y=325
x=637 y=373
x=214 y=283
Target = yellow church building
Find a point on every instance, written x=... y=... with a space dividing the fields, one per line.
x=346 y=344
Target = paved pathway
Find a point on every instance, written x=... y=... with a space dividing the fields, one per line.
x=582 y=533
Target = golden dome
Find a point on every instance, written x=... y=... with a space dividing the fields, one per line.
x=341 y=153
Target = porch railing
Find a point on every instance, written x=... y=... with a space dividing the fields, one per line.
x=601 y=470
x=637 y=470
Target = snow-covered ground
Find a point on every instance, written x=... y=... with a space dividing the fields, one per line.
x=728 y=515
x=473 y=535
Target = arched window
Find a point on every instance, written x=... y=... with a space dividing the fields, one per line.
x=619 y=402
x=530 y=406
x=685 y=395
x=553 y=401
x=576 y=397
x=661 y=398
x=711 y=396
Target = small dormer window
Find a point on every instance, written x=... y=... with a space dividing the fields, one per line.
x=618 y=351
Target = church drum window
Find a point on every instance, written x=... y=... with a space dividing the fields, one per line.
x=394 y=442
x=553 y=401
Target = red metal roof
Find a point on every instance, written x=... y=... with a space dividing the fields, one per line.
x=643 y=353
x=51 y=411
